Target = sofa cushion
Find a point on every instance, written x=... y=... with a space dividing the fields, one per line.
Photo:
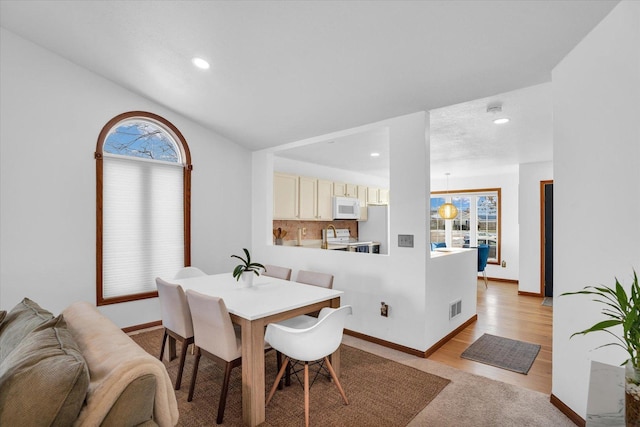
x=44 y=380
x=21 y=320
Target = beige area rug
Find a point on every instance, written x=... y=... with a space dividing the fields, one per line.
x=505 y=353
x=473 y=400
x=381 y=392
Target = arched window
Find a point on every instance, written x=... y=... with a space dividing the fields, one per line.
x=143 y=188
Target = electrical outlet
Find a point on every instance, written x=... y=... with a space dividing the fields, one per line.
x=504 y=264
x=405 y=240
x=384 y=309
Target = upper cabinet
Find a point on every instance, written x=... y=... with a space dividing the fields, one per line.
x=377 y=196
x=302 y=198
x=285 y=196
x=362 y=198
x=383 y=196
x=345 y=190
x=325 y=192
x=310 y=199
x=315 y=199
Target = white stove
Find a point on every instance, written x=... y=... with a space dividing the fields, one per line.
x=343 y=237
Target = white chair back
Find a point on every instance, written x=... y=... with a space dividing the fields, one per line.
x=312 y=343
x=174 y=308
x=187 y=272
x=278 y=272
x=323 y=280
x=212 y=326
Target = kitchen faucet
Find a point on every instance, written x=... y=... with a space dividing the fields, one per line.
x=325 y=244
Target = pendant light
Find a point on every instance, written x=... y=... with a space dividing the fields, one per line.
x=447 y=210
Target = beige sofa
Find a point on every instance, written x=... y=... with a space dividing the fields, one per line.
x=79 y=369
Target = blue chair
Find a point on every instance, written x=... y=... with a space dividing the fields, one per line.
x=483 y=256
x=438 y=245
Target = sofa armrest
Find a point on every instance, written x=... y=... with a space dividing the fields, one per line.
x=134 y=407
x=115 y=361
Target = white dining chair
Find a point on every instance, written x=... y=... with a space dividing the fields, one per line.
x=283 y=273
x=176 y=320
x=323 y=280
x=314 y=278
x=309 y=344
x=188 y=272
x=216 y=338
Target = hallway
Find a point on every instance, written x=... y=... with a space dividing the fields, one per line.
x=502 y=312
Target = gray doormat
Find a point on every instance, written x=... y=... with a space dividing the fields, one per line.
x=505 y=353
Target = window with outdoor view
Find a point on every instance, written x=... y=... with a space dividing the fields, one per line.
x=143 y=170
x=477 y=222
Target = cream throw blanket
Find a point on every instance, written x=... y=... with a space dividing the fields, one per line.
x=114 y=361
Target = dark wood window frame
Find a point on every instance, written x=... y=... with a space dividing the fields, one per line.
x=187 y=168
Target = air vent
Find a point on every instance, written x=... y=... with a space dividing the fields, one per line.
x=455 y=308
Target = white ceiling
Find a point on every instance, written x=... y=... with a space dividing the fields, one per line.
x=284 y=71
x=465 y=141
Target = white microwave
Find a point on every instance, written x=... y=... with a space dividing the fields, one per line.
x=346 y=208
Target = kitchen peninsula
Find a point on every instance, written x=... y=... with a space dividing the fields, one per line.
x=440 y=252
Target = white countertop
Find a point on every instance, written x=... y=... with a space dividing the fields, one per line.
x=439 y=252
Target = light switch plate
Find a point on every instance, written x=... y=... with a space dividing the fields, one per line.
x=405 y=240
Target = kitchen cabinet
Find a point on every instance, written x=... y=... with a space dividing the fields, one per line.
x=372 y=196
x=311 y=199
x=315 y=199
x=285 y=196
x=324 y=205
x=362 y=198
x=308 y=198
x=377 y=196
x=383 y=196
x=345 y=190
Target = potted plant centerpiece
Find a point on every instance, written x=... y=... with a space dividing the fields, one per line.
x=247 y=269
x=621 y=309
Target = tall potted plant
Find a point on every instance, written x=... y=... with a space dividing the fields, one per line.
x=247 y=269
x=621 y=309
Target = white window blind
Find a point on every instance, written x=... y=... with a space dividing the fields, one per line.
x=143 y=224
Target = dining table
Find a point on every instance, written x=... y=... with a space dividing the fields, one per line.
x=268 y=300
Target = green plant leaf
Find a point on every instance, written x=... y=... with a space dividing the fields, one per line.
x=246 y=265
x=621 y=308
x=600 y=326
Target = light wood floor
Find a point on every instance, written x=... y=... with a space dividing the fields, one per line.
x=502 y=312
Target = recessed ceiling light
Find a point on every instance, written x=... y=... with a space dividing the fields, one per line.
x=375 y=154
x=496 y=108
x=200 y=63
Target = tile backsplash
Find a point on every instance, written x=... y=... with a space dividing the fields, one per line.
x=314 y=228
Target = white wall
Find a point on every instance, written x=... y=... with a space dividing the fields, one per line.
x=529 y=213
x=596 y=92
x=507 y=181
x=400 y=278
x=51 y=113
x=295 y=167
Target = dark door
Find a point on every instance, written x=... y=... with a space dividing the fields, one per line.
x=548 y=240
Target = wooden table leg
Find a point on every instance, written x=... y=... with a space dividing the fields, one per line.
x=335 y=356
x=253 y=391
